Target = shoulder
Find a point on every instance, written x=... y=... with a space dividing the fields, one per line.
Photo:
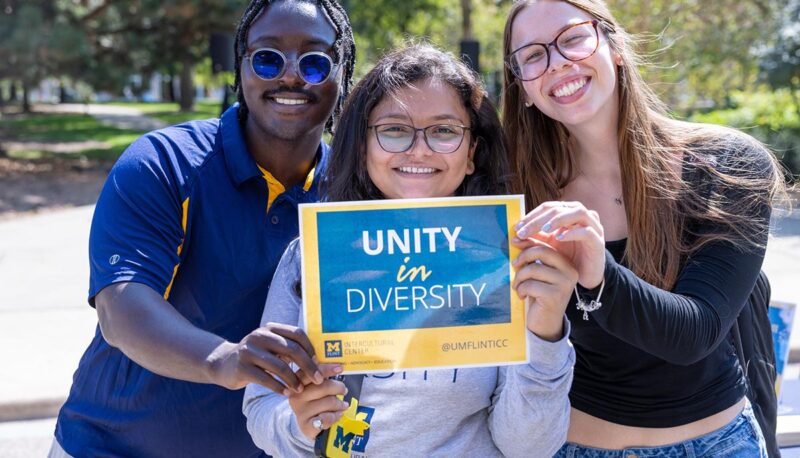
x=190 y=142
x=731 y=147
x=173 y=155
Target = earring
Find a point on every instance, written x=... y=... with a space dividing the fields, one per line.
x=528 y=104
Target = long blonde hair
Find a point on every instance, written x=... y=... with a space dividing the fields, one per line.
x=659 y=202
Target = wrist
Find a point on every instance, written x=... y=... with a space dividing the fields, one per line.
x=217 y=366
x=545 y=324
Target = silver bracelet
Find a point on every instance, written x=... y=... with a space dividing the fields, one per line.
x=593 y=305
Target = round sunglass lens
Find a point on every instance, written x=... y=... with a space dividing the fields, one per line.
x=267 y=64
x=315 y=68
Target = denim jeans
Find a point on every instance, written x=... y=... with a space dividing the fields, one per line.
x=741 y=438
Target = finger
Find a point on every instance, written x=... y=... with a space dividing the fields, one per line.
x=294 y=333
x=298 y=347
x=327 y=371
x=328 y=418
x=326 y=404
x=577 y=216
x=286 y=349
x=327 y=388
x=542 y=254
x=254 y=356
x=580 y=234
x=522 y=243
x=546 y=274
x=533 y=222
x=255 y=375
x=536 y=289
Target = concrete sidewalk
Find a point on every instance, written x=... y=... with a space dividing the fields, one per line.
x=46 y=324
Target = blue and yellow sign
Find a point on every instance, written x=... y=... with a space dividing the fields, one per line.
x=422 y=283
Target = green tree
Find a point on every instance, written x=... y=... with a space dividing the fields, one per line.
x=780 y=63
x=144 y=36
x=700 y=51
x=38 y=39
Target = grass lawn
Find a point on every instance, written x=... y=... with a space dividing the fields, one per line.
x=70 y=128
x=170 y=113
x=64 y=128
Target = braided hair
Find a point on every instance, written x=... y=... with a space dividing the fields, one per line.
x=344 y=49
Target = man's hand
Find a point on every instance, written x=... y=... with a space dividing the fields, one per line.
x=263 y=357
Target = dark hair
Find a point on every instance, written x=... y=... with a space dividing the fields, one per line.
x=346 y=176
x=344 y=49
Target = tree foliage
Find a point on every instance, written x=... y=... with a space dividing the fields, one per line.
x=780 y=63
x=698 y=51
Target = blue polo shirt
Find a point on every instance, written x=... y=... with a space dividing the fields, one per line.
x=188 y=212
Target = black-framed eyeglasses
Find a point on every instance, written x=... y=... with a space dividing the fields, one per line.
x=575 y=43
x=314 y=67
x=399 y=138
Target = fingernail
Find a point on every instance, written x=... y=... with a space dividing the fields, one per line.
x=345 y=405
x=561 y=236
x=338 y=369
x=346 y=390
x=522 y=233
x=519 y=225
x=318 y=378
x=546 y=227
x=338 y=414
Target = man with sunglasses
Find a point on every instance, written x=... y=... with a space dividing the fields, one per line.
x=186 y=236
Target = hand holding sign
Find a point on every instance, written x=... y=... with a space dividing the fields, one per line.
x=547 y=279
x=572 y=230
x=319 y=402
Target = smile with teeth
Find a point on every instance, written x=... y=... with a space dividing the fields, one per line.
x=570 y=88
x=283 y=101
x=417 y=170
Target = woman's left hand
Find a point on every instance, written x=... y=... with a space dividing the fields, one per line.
x=572 y=230
x=547 y=279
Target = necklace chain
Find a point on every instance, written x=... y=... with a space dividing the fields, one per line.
x=617 y=200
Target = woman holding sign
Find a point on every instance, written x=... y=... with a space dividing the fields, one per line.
x=684 y=210
x=420 y=125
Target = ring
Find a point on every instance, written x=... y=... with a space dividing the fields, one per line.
x=317 y=423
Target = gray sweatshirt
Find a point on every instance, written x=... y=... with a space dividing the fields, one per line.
x=520 y=410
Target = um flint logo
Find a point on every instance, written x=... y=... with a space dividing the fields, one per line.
x=333 y=348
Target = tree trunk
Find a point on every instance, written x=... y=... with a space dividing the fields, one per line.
x=62 y=92
x=187 y=86
x=12 y=93
x=466 y=19
x=26 y=102
x=169 y=85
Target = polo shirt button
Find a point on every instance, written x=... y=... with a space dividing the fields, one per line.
x=274 y=219
x=630 y=455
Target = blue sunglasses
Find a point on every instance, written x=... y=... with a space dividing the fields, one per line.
x=313 y=67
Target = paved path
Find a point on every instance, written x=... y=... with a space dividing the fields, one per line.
x=119 y=117
x=111 y=115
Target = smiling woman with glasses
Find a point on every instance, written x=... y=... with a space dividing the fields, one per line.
x=666 y=223
x=576 y=42
x=420 y=125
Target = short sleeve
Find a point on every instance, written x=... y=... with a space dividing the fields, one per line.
x=139 y=222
